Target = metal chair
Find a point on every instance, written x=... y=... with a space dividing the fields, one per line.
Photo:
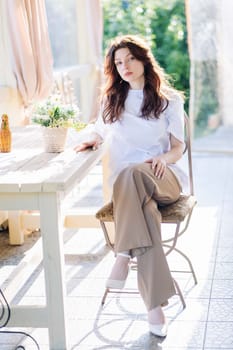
x=177 y=214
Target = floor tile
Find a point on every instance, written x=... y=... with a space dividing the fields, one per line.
x=220 y=310
x=186 y=334
x=223 y=270
x=224 y=254
x=222 y=289
x=219 y=335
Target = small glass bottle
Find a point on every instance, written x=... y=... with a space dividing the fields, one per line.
x=5 y=135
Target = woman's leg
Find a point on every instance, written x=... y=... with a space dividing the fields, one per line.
x=137 y=219
x=154 y=278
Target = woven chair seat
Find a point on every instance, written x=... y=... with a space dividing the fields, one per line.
x=174 y=212
x=178 y=210
x=105 y=213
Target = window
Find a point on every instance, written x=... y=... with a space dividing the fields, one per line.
x=62 y=22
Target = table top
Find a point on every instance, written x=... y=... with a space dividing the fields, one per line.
x=28 y=168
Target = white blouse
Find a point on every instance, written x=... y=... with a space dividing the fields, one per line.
x=133 y=139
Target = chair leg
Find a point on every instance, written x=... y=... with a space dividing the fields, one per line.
x=106 y=236
x=191 y=269
x=189 y=263
x=104 y=296
x=117 y=291
x=178 y=292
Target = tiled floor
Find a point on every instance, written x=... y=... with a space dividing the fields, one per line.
x=207 y=321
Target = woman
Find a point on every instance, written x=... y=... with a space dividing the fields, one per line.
x=142 y=117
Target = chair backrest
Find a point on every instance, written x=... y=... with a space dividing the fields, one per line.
x=188 y=149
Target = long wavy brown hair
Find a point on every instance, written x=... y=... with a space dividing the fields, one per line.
x=156 y=89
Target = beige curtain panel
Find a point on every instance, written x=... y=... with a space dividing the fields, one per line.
x=31 y=54
x=90 y=36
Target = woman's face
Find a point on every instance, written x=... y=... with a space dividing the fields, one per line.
x=129 y=68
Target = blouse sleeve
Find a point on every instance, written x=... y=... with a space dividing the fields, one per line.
x=99 y=126
x=175 y=116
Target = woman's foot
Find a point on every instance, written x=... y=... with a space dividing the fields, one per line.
x=119 y=273
x=157 y=322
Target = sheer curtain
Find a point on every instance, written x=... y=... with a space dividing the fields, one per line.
x=210 y=30
x=203 y=45
x=90 y=36
x=225 y=58
x=31 y=56
x=10 y=99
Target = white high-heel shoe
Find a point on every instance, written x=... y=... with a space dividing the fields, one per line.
x=159 y=329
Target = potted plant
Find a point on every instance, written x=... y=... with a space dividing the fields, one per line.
x=56 y=117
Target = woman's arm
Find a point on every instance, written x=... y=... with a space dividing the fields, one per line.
x=160 y=162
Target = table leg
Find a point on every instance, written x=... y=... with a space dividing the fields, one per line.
x=16 y=232
x=53 y=260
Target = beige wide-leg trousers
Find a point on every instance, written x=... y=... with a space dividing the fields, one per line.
x=136 y=194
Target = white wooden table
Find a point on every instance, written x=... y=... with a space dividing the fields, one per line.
x=33 y=180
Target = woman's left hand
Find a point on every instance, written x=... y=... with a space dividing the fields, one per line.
x=158 y=165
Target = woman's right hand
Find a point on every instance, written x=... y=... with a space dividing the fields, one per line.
x=85 y=145
x=93 y=144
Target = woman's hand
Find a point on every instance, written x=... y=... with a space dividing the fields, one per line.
x=93 y=144
x=84 y=146
x=158 y=165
